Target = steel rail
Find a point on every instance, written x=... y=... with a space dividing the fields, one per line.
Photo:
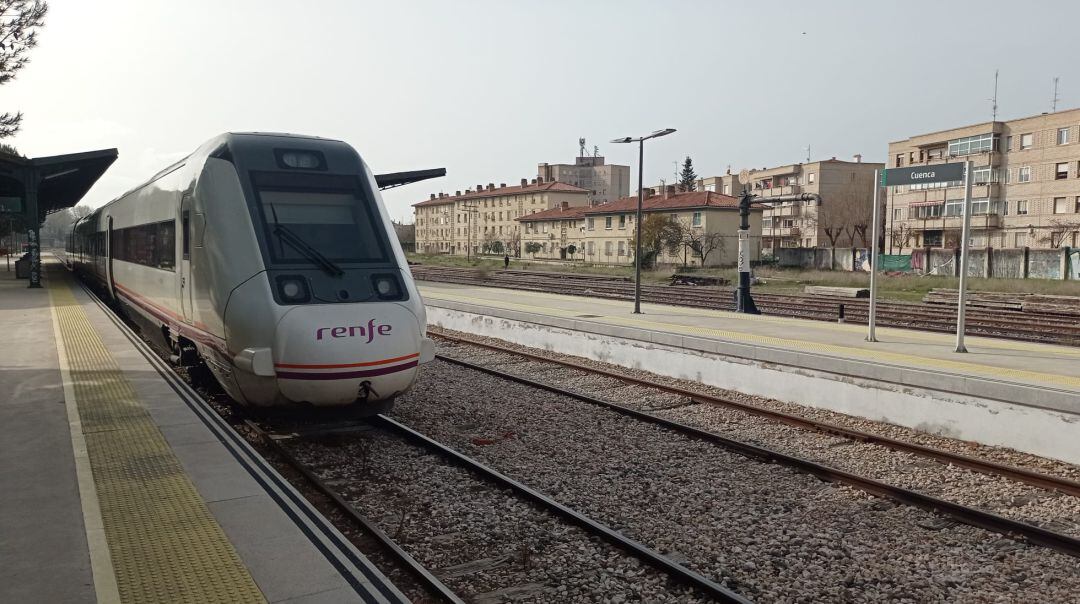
x=675 y=570
x=415 y=568
x=1043 y=481
x=971 y=516
x=1048 y=328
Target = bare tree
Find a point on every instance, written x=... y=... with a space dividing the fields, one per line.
x=514 y=244
x=19 y=22
x=900 y=234
x=703 y=244
x=1061 y=229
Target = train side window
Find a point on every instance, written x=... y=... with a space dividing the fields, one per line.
x=186 y=235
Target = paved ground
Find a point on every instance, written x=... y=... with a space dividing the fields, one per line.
x=1040 y=365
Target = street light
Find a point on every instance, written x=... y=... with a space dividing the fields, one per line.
x=640 y=197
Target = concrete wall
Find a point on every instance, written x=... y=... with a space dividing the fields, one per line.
x=1044 y=264
x=956 y=406
x=1010 y=263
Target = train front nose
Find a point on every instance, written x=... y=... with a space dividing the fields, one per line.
x=339 y=355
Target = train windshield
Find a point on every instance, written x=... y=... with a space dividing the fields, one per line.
x=320 y=226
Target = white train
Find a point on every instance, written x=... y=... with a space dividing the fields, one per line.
x=272 y=259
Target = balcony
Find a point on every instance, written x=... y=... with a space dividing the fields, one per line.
x=777 y=191
x=978 y=222
x=782 y=210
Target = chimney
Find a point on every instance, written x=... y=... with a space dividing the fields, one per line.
x=433 y=196
x=834 y=158
x=458 y=193
x=502 y=185
x=479 y=188
x=669 y=190
x=491 y=186
x=647 y=193
x=524 y=182
x=539 y=180
x=534 y=181
x=858 y=158
x=565 y=205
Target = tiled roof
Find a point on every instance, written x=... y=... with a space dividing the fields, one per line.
x=656 y=203
x=512 y=190
x=675 y=201
x=557 y=214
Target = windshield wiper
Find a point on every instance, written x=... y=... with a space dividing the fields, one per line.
x=296 y=242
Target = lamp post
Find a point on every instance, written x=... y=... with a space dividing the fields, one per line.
x=640 y=198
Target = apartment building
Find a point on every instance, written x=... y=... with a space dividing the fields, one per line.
x=846 y=186
x=1026 y=190
x=605 y=182
x=604 y=234
x=474 y=219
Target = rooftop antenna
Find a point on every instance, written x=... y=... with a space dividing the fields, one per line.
x=596 y=151
x=1054 y=99
x=807 y=152
x=994 y=99
x=581 y=147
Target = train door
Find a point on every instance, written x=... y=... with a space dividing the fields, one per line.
x=109 y=257
x=185 y=259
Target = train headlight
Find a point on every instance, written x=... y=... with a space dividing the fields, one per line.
x=386 y=287
x=298 y=159
x=293 y=289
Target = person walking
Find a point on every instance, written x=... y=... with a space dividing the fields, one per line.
x=506 y=261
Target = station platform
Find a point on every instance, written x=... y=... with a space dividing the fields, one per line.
x=1018 y=394
x=118 y=484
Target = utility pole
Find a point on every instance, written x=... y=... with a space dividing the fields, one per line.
x=965 y=234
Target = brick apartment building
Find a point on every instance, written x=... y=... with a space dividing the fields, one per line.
x=1026 y=189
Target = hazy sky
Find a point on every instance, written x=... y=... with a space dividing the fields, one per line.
x=489 y=89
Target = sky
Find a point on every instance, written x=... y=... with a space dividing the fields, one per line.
x=488 y=89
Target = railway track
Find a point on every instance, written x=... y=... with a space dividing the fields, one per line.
x=275 y=438
x=1046 y=328
x=973 y=516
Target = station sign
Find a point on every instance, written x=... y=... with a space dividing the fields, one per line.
x=917 y=175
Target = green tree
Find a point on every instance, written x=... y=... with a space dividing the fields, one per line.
x=496 y=247
x=687 y=178
x=657 y=232
x=531 y=247
x=19 y=22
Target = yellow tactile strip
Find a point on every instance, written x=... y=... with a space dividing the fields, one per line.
x=164 y=543
x=806 y=345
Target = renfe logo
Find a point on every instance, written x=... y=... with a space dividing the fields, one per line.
x=354 y=330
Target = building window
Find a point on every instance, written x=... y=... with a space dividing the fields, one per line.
x=1021 y=207
x=1019 y=239
x=954 y=207
x=696 y=220
x=969 y=145
x=787 y=223
x=899 y=160
x=1023 y=174
x=1026 y=140
x=622 y=221
x=1008 y=143
x=897 y=213
x=1062 y=205
x=591 y=222
x=985 y=175
x=1061 y=171
x=727 y=189
x=607 y=224
x=590 y=248
x=711 y=187
x=1063 y=136
x=811 y=177
x=607 y=248
x=622 y=248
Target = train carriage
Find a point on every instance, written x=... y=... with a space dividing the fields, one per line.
x=270 y=258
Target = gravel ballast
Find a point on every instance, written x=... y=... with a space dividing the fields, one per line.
x=779 y=535
x=484 y=542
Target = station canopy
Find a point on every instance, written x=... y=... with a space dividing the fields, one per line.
x=59 y=181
